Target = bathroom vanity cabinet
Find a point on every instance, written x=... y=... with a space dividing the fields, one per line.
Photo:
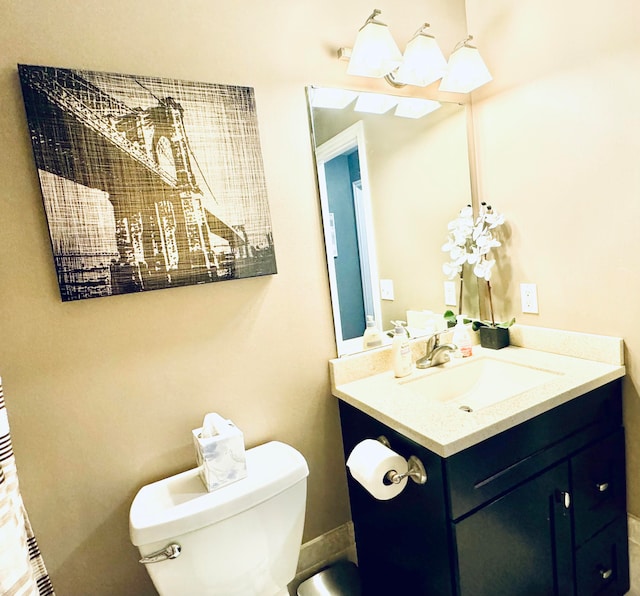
x=535 y=510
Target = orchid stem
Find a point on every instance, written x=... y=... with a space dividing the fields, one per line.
x=460 y=299
x=493 y=322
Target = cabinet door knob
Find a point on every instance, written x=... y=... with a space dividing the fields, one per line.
x=606 y=573
x=602 y=486
x=566 y=500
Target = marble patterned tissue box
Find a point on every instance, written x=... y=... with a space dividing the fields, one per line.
x=221 y=458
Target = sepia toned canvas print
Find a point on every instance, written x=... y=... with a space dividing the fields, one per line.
x=147 y=183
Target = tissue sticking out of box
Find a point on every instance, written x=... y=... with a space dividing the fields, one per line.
x=220 y=452
x=210 y=425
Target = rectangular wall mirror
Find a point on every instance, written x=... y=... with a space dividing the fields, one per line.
x=389 y=185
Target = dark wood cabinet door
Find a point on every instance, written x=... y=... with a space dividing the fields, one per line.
x=602 y=563
x=598 y=486
x=520 y=543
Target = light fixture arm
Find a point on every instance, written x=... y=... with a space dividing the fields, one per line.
x=422 y=31
x=392 y=81
x=464 y=43
x=372 y=18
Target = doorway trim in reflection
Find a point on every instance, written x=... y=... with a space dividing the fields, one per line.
x=348 y=141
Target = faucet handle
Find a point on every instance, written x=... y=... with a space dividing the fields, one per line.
x=433 y=341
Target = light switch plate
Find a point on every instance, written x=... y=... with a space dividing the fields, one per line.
x=450 y=293
x=386 y=289
x=529 y=298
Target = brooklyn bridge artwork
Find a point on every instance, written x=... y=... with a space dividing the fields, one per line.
x=147 y=183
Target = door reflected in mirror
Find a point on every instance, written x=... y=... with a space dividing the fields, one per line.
x=389 y=185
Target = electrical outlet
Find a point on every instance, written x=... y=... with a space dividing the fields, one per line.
x=386 y=289
x=450 y=293
x=529 y=297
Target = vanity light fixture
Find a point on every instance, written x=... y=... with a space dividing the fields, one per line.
x=374 y=53
x=466 y=70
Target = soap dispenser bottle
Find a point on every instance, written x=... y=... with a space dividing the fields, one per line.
x=461 y=337
x=401 y=350
x=372 y=337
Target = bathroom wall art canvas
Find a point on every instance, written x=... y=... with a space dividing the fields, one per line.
x=147 y=183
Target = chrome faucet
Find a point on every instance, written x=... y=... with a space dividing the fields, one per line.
x=436 y=353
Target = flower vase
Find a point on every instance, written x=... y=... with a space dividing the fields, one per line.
x=494 y=338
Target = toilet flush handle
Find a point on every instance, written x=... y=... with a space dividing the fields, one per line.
x=170 y=551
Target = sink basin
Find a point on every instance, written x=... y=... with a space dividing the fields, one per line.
x=478 y=383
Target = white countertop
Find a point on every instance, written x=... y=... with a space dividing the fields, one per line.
x=366 y=381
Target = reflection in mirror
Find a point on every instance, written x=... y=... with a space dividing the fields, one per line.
x=389 y=185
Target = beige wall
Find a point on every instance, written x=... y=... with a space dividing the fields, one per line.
x=558 y=142
x=102 y=394
x=423 y=185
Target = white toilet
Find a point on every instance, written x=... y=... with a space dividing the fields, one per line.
x=240 y=540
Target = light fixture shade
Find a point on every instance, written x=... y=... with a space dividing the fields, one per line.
x=374 y=54
x=423 y=62
x=375 y=103
x=466 y=71
x=415 y=107
x=337 y=99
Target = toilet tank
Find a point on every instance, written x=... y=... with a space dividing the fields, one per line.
x=242 y=539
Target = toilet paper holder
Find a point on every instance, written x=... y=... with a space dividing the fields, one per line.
x=416 y=470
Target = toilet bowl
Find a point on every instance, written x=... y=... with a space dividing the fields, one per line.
x=240 y=540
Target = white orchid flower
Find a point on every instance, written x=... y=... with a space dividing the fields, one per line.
x=486 y=242
x=464 y=219
x=460 y=237
x=448 y=245
x=494 y=219
x=452 y=244
x=474 y=256
x=451 y=269
x=466 y=211
x=459 y=227
x=458 y=255
x=483 y=268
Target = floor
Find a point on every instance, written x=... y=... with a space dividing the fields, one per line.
x=634 y=555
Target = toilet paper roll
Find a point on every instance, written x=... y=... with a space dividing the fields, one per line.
x=369 y=463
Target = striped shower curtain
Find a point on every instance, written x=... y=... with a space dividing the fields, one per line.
x=22 y=570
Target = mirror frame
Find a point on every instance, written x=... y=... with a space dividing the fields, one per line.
x=336 y=146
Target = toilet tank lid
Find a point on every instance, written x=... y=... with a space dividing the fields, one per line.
x=180 y=504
